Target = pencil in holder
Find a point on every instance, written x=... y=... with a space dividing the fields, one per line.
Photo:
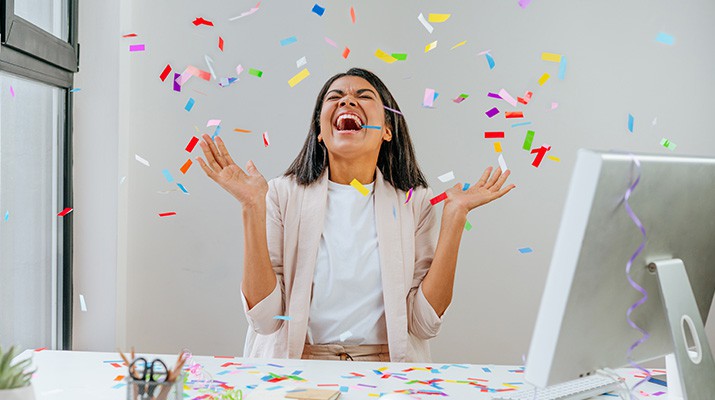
x=150 y=390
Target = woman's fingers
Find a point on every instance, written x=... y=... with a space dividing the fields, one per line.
x=210 y=151
x=493 y=178
x=483 y=180
x=224 y=152
x=209 y=172
x=498 y=184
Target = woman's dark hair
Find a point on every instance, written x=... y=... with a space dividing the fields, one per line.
x=396 y=160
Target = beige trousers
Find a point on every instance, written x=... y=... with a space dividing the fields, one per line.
x=366 y=352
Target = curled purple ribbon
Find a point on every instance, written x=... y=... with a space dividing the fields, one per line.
x=633 y=283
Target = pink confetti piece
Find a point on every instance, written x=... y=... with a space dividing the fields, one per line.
x=213 y=122
x=428 y=100
x=331 y=42
x=246 y=13
x=137 y=47
x=507 y=97
x=12 y=91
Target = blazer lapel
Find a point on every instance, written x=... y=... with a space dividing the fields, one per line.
x=387 y=215
x=310 y=229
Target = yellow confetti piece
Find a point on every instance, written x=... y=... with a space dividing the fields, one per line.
x=430 y=46
x=357 y=185
x=553 y=57
x=554 y=158
x=545 y=77
x=497 y=147
x=510 y=385
x=437 y=18
x=458 y=44
x=385 y=57
x=298 y=77
x=382 y=369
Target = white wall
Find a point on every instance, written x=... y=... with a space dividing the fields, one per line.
x=178 y=277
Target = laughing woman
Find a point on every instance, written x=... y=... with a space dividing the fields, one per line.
x=363 y=275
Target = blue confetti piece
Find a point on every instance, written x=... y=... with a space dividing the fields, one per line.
x=318 y=9
x=490 y=60
x=223 y=372
x=485 y=369
x=665 y=38
x=297 y=372
x=371 y=127
x=287 y=41
x=521 y=124
x=562 y=68
x=167 y=175
x=465 y=187
x=275 y=365
x=630 y=123
x=189 y=104
x=75 y=90
x=344 y=389
x=283 y=317
x=435 y=96
x=119 y=385
x=274 y=387
x=394 y=212
x=7 y=215
x=183 y=189
x=525 y=250
x=218 y=129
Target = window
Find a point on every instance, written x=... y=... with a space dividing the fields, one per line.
x=38 y=56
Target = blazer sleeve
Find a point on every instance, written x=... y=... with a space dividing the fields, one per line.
x=422 y=321
x=260 y=317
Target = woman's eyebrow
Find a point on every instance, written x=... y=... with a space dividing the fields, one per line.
x=341 y=93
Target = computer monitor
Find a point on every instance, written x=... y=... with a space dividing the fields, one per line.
x=581 y=325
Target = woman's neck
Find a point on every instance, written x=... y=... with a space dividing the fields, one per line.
x=344 y=171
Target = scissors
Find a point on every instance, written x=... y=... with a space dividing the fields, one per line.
x=151 y=374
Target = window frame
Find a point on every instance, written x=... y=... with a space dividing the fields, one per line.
x=30 y=52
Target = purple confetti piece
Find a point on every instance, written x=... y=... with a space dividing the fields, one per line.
x=137 y=47
x=491 y=113
x=524 y=3
x=177 y=87
x=494 y=95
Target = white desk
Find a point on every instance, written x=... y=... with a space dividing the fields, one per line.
x=85 y=375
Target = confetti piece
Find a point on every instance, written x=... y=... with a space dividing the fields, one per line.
x=177 y=85
x=360 y=188
x=462 y=43
x=330 y=42
x=167 y=175
x=491 y=113
x=246 y=13
x=119 y=385
x=408 y=195
x=137 y=47
x=514 y=114
x=630 y=123
x=437 y=18
x=282 y=317
x=554 y=105
x=490 y=60
x=493 y=135
x=129 y=35
x=493 y=95
x=465 y=187
x=213 y=122
x=552 y=158
x=12 y=91
x=524 y=3
x=526 y=99
x=665 y=38
x=318 y=10
x=540 y=153
x=467 y=226
x=189 y=104
x=430 y=46
x=255 y=72
x=525 y=250
x=192 y=143
x=528 y=140
x=507 y=97
x=220 y=43
x=301 y=62
x=428 y=100
x=545 y=77
x=393 y=110
x=521 y=124
x=7 y=215
x=183 y=189
x=352 y=14
x=371 y=127
x=384 y=56
x=186 y=166
x=216 y=131
x=266 y=142
x=438 y=198
x=346 y=52
x=343 y=336
x=562 y=68
x=199 y=73
x=298 y=77
x=460 y=98
x=209 y=63
x=424 y=22
x=241 y=130
x=400 y=56
x=552 y=57
x=239 y=69
x=446 y=177
x=502 y=163
x=200 y=21
x=664 y=142
x=141 y=160
x=497 y=147
x=64 y=212
x=165 y=72
x=119 y=378
x=167 y=214
x=75 y=90
x=82 y=304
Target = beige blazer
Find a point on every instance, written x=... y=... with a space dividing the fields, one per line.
x=407 y=237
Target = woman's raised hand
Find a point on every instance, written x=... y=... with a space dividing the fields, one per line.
x=249 y=187
x=488 y=188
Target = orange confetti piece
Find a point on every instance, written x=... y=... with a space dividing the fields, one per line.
x=119 y=377
x=352 y=14
x=186 y=166
x=241 y=130
x=346 y=52
x=514 y=114
x=220 y=43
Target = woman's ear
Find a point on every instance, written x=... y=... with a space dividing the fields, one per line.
x=320 y=138
x=388 y=135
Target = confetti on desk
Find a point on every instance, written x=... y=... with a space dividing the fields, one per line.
x=424 y=23
x=359 y=186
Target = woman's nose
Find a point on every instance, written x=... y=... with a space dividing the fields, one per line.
x=347 y=100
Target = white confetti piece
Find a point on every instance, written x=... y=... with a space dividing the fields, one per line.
x=141 y=160
x=446 y=177
x=502 y=163
x=301 y=62
x=82 y=304
x=426 y=24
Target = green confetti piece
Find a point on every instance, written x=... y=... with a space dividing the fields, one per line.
x=255 y=72
x=468 y=226
x=668 y=144
x=464 y=95
x=527 y=141
x=399 y=56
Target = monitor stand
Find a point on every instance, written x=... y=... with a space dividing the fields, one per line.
x=695 y=365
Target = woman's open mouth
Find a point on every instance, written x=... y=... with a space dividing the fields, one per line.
x=349 y=123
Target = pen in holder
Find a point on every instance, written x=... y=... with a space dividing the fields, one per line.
x=148 y=390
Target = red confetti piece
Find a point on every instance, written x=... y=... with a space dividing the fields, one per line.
x=192 y=143
x=514 y=114
x=540 y=153
x=40 y=349
x=225 y=357
x=65 y=212
x=186 y=166
x=115 y=365
x=167 y=214
x=352 y=14
x=128 y=35
x=346 y=52
x=220 y=43
x=438 y=198
x=526 y=99
x=266 y=142
x=200 y=21
x=493 y=135
x=165 y=73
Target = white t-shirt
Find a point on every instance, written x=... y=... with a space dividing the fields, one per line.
x=347 y=305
